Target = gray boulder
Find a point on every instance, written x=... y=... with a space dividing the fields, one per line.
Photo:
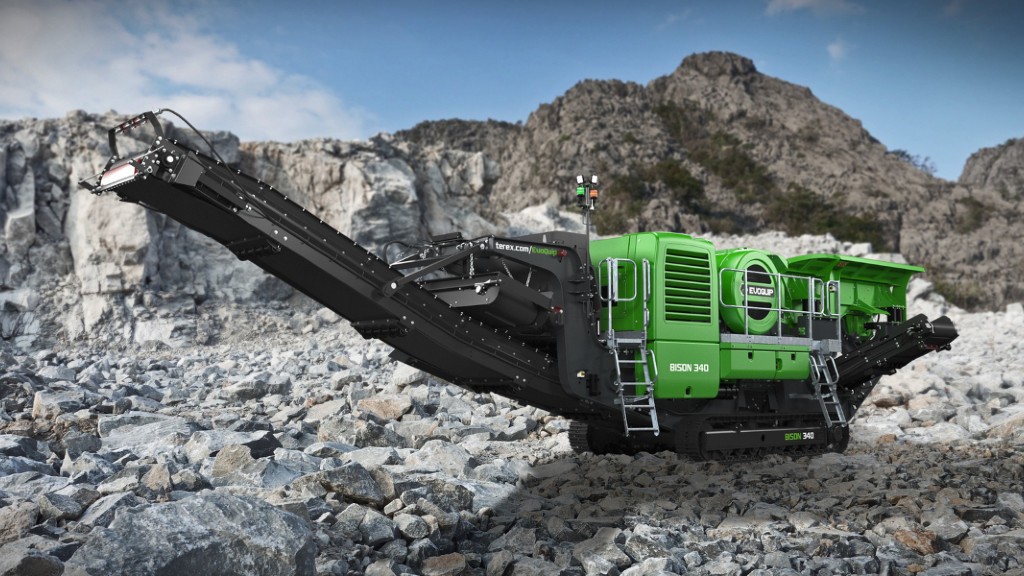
x=16 y=519
x=102 y=511
x=12 y=445
x=208 y=533
x=31 y=484
x=234 y=465
x=19 y=464
x=208 y=442
x=29 y=557
x=154 y=437
x=352 y=481
x=50 y=404
x=442 y=456
x=56 y=506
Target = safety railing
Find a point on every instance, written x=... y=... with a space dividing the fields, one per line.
x=611 y=290
x=825 y=292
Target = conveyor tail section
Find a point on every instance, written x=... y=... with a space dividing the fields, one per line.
x=893 y=347
x=260 y=224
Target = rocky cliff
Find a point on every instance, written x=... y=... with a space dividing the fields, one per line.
x=714 y=147
x=717 y=146
x=1000 y=168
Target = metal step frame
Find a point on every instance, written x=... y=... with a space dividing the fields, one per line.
x=824 y=376
x=622 y=345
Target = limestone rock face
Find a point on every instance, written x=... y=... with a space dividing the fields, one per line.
x=1000 y=168
x=597 y=127
x=715 y=146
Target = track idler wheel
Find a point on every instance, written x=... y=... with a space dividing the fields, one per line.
x=584 y=437
x=579 y=437
x=839 y=438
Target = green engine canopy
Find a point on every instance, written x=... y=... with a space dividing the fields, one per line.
x=752 y=290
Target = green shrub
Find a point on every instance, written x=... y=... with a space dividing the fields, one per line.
x=626 y=195
x=684 y=188
x=629 y=186
x=967 y=295
x=686 y=123
x=801 y=211
x=975 y=214
x=621 y=200
x=924 y=164
x=796 y=210
x=721 y=153
x=723 y=156
x=610 y=221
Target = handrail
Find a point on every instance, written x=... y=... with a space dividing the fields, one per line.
x=814 y=287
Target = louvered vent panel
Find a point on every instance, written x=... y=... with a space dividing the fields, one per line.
x=687 y=286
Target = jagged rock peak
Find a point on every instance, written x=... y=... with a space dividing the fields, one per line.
x=998 y=168
x=465 y=135
x=718 y=64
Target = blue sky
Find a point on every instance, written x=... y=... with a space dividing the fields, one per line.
x=937 y=78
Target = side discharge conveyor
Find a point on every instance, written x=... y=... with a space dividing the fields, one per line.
x=648 y=341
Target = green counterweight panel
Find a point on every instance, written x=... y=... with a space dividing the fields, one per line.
x=686 y=369
x=792 y=363
x=764 y=362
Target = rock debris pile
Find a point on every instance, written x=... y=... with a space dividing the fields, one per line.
x=306 y=450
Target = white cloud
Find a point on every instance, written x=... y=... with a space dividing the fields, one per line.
x=672 y=19
x=58 y=55
x=837 y=50
x=953 y=8
x=819 y=7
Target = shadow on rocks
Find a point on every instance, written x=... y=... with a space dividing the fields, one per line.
x=352 y=464
x=893 y=509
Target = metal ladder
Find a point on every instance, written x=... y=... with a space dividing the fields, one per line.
x=645 y=401
x=824 y=375
x=630 y=348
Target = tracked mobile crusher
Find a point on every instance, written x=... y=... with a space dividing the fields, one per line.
x=646 y=341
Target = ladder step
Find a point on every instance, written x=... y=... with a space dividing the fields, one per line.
x=633 y=344
x=824 y=376
x=639 y=398
x=643 y=406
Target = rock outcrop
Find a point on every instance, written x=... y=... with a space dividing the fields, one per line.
x=1000 y=168
x=715 y=146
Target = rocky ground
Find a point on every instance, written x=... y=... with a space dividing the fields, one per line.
x=292 y=446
